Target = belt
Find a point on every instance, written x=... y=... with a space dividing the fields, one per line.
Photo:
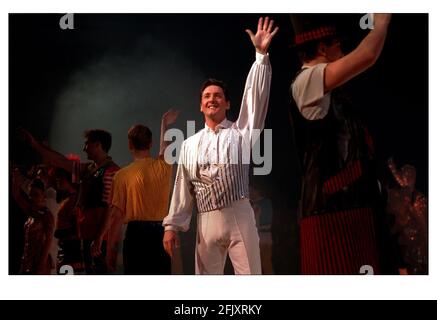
x=145 y=223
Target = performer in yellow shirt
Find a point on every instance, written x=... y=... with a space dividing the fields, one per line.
x=140 y=199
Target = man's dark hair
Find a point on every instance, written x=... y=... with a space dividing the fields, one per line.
x=140 y=136
x=308 y=50
x=218 y=83
x=99 y=135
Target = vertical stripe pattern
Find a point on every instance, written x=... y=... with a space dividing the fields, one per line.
x=231 y=183
x=338 y=243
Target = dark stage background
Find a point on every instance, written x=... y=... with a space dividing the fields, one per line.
x=113 y=71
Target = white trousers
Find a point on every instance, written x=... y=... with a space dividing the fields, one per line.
x=229 y=230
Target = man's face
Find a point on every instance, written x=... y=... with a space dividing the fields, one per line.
x=91 y=149
x=213 y=104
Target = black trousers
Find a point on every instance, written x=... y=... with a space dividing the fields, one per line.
x=94 y=265
x=143 y=251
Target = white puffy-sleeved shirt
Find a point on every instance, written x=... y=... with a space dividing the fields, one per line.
x=308 y=92
x=213 y=167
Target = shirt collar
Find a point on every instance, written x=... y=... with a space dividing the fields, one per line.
x=222 y=125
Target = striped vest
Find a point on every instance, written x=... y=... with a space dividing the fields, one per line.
x=231 y=183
